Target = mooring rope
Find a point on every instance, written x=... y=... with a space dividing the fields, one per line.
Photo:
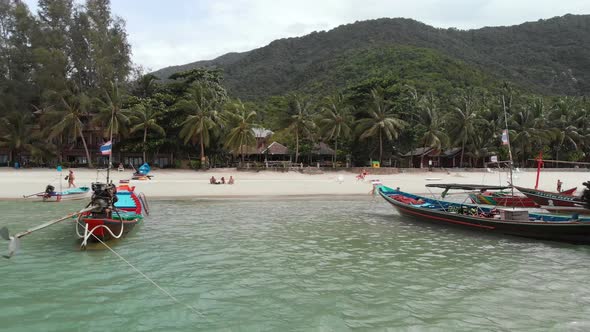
x=193 y=309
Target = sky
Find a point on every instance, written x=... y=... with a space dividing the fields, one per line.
x=174 y=32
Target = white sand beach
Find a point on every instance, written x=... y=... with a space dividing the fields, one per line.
x=188 y=183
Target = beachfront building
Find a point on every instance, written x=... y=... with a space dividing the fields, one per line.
x=426 y=157
x=276 y=154
x=322 y=154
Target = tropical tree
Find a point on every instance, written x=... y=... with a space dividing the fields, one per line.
x=241 y=134
x=563 y=118
x=203 y=105
x=67 y=116
x=299 y=120
x=335 y=121
x=111 y=111
x=528 y=132
x=380 y=120
x=431 y=123
x=463 y=120
x=16 y=134
x=144 y=116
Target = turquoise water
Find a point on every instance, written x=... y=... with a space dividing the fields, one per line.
x=288 y=265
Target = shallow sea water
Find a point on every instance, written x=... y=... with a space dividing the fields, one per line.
x=288 y=265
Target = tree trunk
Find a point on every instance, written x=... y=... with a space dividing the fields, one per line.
x=86 y=148
x=380 y=146
x=202 y=151
x=144 y=140
x=242 y=152
x=422 y=156
x=335 y=153
x=296 y=147
x=462 y=152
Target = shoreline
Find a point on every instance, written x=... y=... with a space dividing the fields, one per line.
x=169 y=184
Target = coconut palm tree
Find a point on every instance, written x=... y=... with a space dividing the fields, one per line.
x=431 y=123
x=241 y=134
x=205 y=116
x=16 y=134
x=335 y=121
x=144 y=117
x=67 y=116
x=528 y=132
x=463 y=120
x=381 y=120
x=299 y=121
x=111 y=112
x=563 y=118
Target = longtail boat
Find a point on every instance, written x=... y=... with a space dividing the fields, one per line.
x=502 y=198
x=508 y=221
x=50 y=195
x=550 y=198
x=100 y=220
x=119 y=210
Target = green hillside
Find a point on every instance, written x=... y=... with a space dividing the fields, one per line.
x=548 y=56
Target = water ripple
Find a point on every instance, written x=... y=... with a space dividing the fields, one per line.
x=290 y=265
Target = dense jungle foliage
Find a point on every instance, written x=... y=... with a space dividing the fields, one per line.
x=371 y=90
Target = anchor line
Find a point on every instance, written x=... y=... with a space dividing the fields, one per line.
x=191 y=308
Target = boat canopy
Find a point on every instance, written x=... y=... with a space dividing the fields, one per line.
x=462 y=186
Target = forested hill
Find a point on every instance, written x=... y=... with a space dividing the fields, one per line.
x=548 y=56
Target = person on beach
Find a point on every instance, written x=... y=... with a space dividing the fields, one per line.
x=212 y=180
x=70 y=177
x=222 y=180
x=231 y=180
x=559 y=183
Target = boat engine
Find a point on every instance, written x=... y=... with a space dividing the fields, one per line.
x=49 y=189
x=586 y=195
x=104 y=197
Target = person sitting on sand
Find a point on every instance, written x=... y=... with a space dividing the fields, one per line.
x=231 y=180
x=222 y=180
x=212 y=180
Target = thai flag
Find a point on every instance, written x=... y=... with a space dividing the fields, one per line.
x=505 y=137
x=106 y=148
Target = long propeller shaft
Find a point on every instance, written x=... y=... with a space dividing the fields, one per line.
x=14 y=240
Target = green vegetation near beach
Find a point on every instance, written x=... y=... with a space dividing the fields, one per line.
x=372 y=90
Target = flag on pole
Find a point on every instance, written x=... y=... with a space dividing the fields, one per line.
x=106 y=148
x=505 y=137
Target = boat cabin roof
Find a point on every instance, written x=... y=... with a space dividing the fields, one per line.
x=462 y=186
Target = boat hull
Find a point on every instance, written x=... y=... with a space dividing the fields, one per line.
x=59 y=197
x=105 y=229
x=549 y=198
x=503 y=200
x=563 y=231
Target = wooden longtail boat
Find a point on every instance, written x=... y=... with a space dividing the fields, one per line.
x=550 y=198
x=100 y=220
x=119 y=210
x=50 y=195
x=508 y=221
x=501 y=198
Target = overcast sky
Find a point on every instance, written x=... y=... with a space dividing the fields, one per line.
x=173 y=32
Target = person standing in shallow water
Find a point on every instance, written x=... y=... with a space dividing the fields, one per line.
x=71 y=178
